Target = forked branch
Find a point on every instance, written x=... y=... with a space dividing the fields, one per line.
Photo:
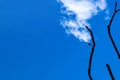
x=91 y=54
x=109 y=28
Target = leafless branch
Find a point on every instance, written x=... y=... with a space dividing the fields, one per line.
x=115 y=6
x=109 y=28
x=110 y=71
x=91 y=54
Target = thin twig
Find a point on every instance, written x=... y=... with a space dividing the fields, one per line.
x=109 y=28
x=91 y=54
x=115 y=6
x=110 y=71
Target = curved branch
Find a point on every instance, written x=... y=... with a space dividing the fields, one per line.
x=109 y=28
x=91 y=54
x=110 y=71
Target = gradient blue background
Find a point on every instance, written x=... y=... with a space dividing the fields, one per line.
x=34 y=46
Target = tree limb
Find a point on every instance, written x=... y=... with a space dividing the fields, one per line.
x=91 y=54
x=110 y=71
x=109 y=28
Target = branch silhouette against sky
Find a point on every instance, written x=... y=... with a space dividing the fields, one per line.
x=75 y=26
x=109 y=29
x=91 y=54
x=93 y=47
x=110 y=72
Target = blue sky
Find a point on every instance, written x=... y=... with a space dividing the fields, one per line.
x=34 y=46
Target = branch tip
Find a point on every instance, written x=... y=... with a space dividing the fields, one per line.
x=115 y=6
x=110 y=71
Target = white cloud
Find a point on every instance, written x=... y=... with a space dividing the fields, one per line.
x=82 y=11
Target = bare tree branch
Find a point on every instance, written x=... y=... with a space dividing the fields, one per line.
x=109 y=28
x=91 y=54
x=110 y=71
x=115 y=6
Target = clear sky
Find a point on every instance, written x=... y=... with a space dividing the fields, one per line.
x=34 y=46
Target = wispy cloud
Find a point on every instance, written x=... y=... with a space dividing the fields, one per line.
x=78 y=12
x=107 y=15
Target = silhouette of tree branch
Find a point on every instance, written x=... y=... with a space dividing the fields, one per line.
x=109 y=29
x=110 y=72
x=91 y=54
